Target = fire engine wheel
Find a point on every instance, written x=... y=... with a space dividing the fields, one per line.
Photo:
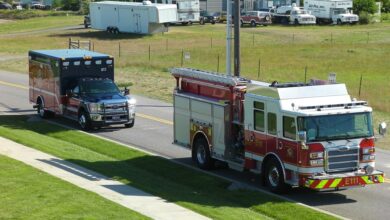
x=201 y=154
x=84 y=121
x=41 y=111
x=274 y=177
x=253 y=24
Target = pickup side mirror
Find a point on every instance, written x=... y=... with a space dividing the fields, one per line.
x=382 y=128
x=126 y=91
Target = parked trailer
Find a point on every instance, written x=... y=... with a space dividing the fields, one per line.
x=332 y=11
x=294 y=134
x=131 y=17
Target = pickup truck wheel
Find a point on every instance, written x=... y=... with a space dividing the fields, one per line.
x=242 y=23
x=274 y=177
x=84 y=121
x=339 y=22
x=130 y=125
x=296 y=22
x=201 y=21
x=201 y=154
x=253 y=24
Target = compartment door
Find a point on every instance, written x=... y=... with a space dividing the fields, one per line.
x=181 y=119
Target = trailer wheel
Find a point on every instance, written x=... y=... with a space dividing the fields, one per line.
x=40 y=109
x=274 y=177
x=84 y=121
x=201 y=154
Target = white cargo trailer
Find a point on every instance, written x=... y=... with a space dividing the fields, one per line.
x=332 y=11
x=131 y=17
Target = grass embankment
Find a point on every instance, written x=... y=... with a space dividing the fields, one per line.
x=27 y=193
x=200 y=192
x=34 y=24
x=26 y=14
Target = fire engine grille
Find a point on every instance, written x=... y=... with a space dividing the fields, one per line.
x=342 y=159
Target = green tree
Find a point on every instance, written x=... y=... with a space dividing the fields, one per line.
x=364 y=6
x=385 y=6
x=72 y=5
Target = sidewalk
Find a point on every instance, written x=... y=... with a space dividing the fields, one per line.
x=129 y=197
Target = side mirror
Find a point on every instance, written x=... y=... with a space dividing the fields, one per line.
x=126 y=91
x=302 y=136
x=69 y=93
x=382 y=128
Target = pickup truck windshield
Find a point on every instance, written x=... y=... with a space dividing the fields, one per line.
x=99 y=86
x=336 y=127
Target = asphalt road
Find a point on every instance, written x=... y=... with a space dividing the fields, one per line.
x=153 y=132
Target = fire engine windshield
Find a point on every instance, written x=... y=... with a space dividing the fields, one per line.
x=99 y=86
x=336 y=127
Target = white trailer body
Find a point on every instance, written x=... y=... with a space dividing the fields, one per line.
x=332 y=11
x=129 y=17
x=188 y=11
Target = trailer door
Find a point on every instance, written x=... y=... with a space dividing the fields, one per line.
x=125 y=20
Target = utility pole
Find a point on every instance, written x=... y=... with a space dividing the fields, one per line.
x=237 y=38
x=228 y=37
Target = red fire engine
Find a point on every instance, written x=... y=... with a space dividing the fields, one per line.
x=293 y=134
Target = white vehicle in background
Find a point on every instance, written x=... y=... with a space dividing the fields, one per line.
x=332 y=11
x=291 y=14
x=188 y=11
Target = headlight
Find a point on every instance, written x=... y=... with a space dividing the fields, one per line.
x=94 y=107
x=368 y=157
x=368 y=150
x=318 y=162
x=315 y=155
x=132 y=102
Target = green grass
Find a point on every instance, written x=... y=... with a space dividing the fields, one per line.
x=200 y=192
x=39 y=23
x=27 y=193
x=26 y=14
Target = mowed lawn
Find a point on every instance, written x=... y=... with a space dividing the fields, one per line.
x=27 y=193
x=280 y=53
x=200 y=192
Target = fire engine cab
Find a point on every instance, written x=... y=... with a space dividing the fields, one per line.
x=294 y=134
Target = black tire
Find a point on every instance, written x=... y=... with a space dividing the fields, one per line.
x=85 y=25
x=339 y=22
x=242 y=23
x=212 y=22
x=84 y=121
x=130 y=125
x=296 y=22
x=40 y=109
x=201 y=154
x=274 y=177
x=201 y=21
x=253 y=24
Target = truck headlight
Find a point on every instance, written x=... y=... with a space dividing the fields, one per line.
x=131 y=103
x=95 y=107
x=315 y=155
x=368 y=157
x=318 y=162
x=368 y=150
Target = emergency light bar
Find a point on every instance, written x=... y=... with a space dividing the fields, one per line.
x=343 y=105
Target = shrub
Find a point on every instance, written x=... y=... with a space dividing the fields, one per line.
x=364 y=17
